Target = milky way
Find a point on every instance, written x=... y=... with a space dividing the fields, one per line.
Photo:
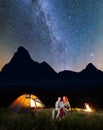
x=67 y=34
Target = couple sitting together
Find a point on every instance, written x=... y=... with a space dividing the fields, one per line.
x=62 y=106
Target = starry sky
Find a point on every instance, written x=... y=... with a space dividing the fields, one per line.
x=67 y=34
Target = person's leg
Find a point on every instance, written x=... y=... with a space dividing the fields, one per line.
x=58 y=114
x=53 y=114
x=61 y=114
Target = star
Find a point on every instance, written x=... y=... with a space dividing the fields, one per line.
x=59 y=32
x=76 y=30
x=69 y=17
x=91 y=54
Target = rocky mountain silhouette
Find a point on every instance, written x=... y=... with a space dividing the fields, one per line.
x=24 y=75
x=91 y=72
x=21 y=66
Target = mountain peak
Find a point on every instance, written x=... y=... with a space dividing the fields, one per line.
x=22 y=52
x=20 y=55
x=21 y=48
x=90 y=66
x=90 y=71
x=22 y=66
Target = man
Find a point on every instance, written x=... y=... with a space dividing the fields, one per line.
x=56 y=111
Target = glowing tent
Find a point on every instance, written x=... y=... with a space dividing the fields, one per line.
x=26 y=102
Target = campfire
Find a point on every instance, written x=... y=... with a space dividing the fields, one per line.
x=86 y=109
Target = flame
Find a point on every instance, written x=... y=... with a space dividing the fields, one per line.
x=88 y=109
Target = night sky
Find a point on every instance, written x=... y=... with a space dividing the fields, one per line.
x=67 y=34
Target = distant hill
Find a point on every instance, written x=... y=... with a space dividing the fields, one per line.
x=23 y=75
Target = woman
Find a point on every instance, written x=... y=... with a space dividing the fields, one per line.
x=66 y=104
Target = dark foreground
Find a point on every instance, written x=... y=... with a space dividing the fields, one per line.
x=41 y=119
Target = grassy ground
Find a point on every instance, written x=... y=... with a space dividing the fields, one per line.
x=41 y=120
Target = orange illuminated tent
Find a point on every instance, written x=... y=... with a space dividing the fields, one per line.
x=26 y=102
